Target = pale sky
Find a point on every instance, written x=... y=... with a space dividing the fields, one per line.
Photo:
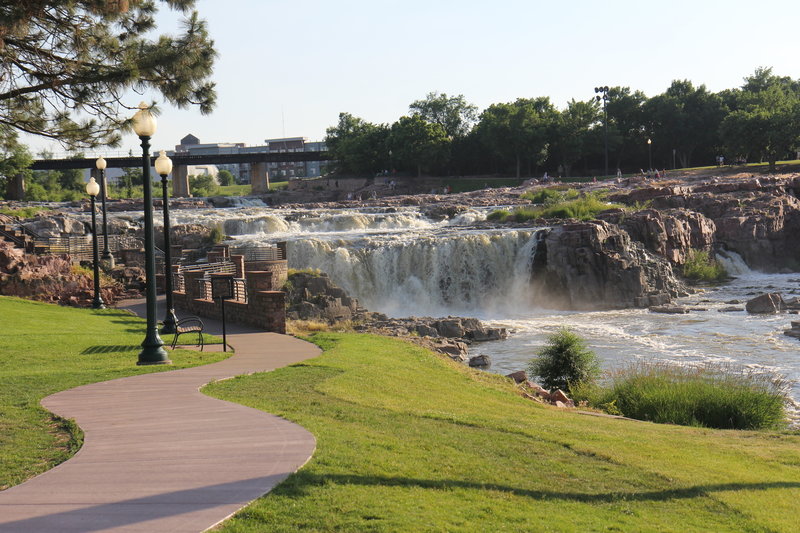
x=288 y=68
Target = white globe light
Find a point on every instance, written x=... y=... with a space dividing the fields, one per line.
x=100 y=163
x=144 y=123
x=163 y=164
x=92 y=188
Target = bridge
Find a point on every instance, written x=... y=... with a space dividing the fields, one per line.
x=259 y=177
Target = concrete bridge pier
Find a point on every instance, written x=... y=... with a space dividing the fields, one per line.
x=259 y=178
x=15 y=187
x=180 y=181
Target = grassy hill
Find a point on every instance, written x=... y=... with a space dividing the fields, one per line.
x=408 y=441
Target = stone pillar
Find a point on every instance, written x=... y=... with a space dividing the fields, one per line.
x=15 y=187
x=258 y=280
x=190 y=278
x=180 y=181
x=238 y=260
x=259 y=178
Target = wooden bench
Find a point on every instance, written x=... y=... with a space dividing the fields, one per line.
x=190 y=324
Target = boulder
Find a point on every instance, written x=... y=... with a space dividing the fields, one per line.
x=520 y=376
x=669 y=309
x=480 y=361
x=769 y=303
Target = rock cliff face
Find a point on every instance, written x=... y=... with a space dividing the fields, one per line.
x=596 y=265
x=758 y=218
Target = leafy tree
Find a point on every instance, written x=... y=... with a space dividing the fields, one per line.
x=225 y=177
x=625 y=122
x=518 y=130
x=417 y=144
x=686 y=119
x=358 y=147
x=766 y=122
x=132 y=177
x=15 y=160
x=573 y=135
x=203 y=185
x=65 y=60
x=452 y=113
x=565 y=362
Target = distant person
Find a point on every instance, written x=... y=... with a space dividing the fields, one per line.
x=619 y=174
x=545 y=178
x=658 y=175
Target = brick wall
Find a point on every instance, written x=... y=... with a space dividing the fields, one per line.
x=265 y=309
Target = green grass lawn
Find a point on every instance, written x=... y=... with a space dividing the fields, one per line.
x=408 y=441
x=44 y=349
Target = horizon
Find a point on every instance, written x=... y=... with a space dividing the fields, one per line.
x=373 y=60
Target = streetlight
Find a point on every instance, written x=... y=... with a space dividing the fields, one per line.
x=153 y=352
x=604 y=91
x=163 y=168
x=92 y=189
x=101 y=166
x=650 y=153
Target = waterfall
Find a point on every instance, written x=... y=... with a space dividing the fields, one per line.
x=733 y=263
x=424 y=274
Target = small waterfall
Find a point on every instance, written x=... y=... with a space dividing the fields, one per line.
x=733 y=263
x=459 y=272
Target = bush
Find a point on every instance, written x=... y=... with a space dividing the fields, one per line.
x=565 y=362
x=499 y=215
x=700 y=266
x=712 y=396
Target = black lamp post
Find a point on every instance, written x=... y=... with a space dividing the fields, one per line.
x=101 y=166
x=153 y=352
x=92 y=189
x=604 y=92
x=650 y=153
x=163 y=168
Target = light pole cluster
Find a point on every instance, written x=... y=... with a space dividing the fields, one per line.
x=604 y=92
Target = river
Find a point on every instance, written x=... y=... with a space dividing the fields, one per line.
x=397 y=261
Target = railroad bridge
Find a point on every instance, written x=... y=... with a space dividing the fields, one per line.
x=259 y=177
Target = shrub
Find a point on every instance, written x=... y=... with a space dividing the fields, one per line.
x=714 y=396
x=700 y=266
x=499 y=215
x=565 y=362
x=550 y=195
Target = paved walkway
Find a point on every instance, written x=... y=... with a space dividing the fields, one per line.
x=159 y=455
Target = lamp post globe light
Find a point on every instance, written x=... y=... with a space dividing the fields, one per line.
x=101 y=166
x=604 y=92
x=650 y=153
x=153 y=352
x=92 y=189
x=163 y=168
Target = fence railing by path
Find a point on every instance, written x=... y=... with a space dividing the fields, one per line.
x=204 y=283
x=79 y=248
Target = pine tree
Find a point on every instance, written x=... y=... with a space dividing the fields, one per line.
x=67 y=64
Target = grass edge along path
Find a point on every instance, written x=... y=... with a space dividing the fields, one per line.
x=408 y=441
x=46 y=348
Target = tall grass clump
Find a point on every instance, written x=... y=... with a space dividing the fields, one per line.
x=584 y=207
x=714 y=396
x=550 y=196
x=565 y=362
x=700 y=266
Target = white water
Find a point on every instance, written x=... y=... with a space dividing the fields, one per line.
x=401 y=263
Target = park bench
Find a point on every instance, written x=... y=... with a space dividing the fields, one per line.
x=190 y=324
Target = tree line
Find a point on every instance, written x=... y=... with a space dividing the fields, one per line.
x=682 y=127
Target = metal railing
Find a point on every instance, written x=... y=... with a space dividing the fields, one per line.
x=264 y=253
x=240 y=290
x=79 y=248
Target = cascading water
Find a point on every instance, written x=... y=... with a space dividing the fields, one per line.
x=434 y=274
x=401 y=263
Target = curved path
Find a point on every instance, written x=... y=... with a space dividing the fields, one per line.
x=160 y=456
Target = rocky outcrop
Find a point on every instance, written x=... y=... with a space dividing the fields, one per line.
x=595 y=265
x=313 y=296
x=672 y=234
x=49 y=279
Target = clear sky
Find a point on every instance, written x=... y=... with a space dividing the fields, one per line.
x=288 y=68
